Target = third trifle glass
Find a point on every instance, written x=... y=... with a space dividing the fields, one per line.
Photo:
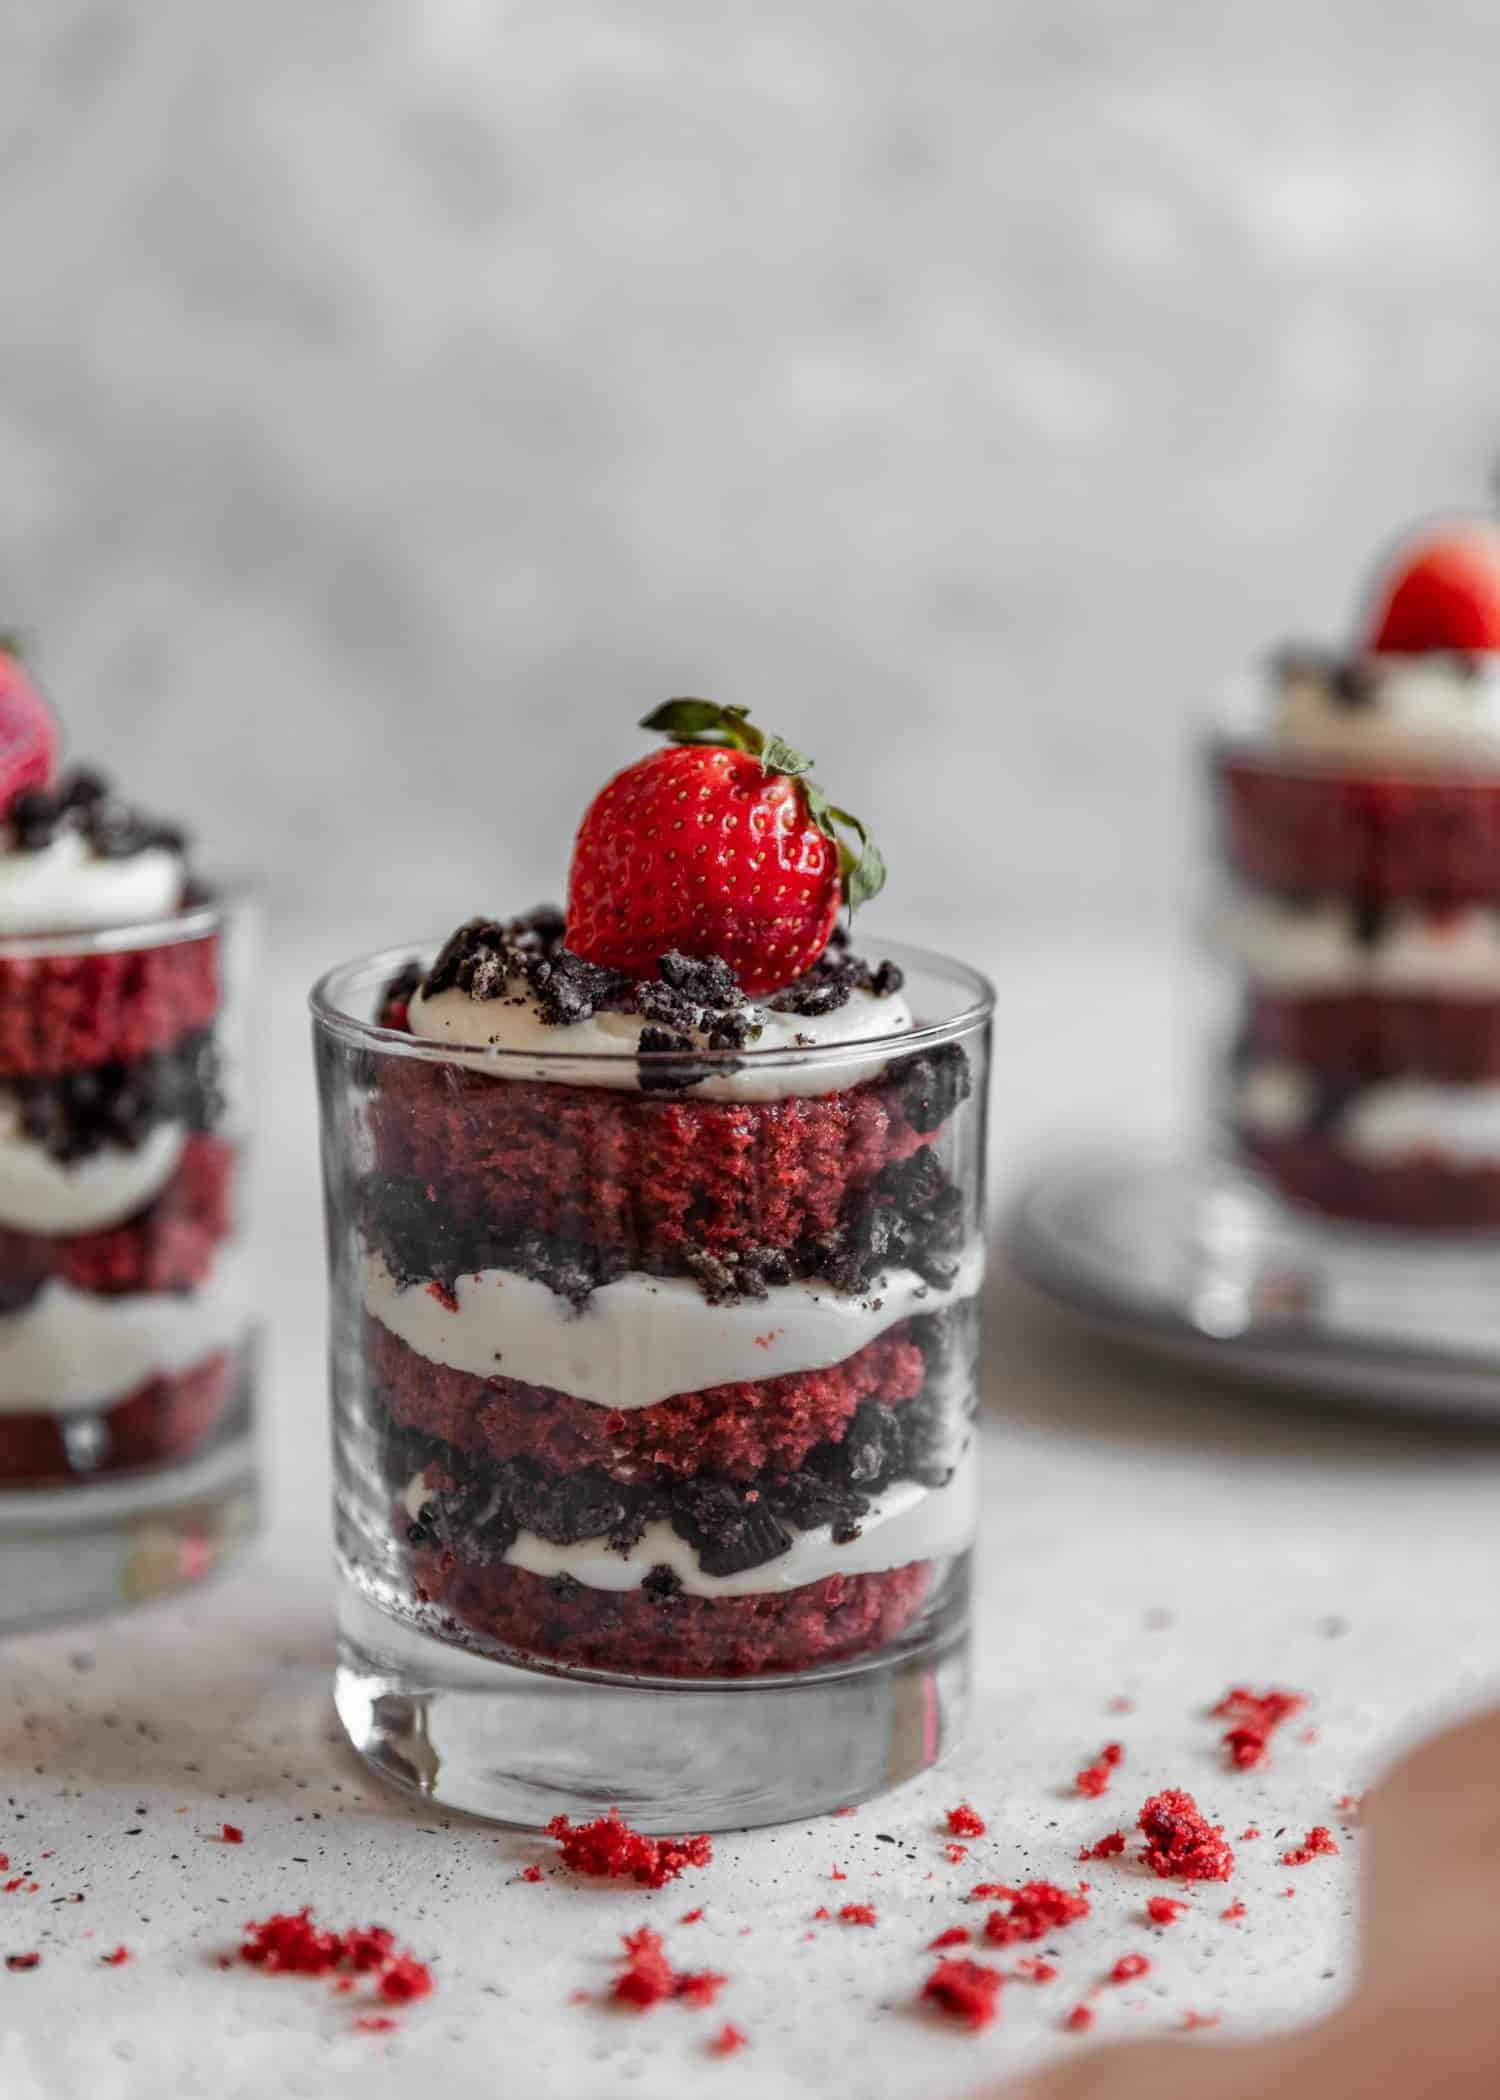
x=654 y=1377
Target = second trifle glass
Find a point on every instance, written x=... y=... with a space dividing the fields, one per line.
x=654 y=1378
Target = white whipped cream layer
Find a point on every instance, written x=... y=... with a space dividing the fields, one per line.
x=1318 y=948
x=643 y=1338
x=1425 y=710
x=514 y=1022
x=907 y=1523
x=66 y=887
x=43 y=1195
x=71 y=1351
x=1385 y=1123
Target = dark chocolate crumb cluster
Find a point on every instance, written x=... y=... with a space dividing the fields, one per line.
x=479 y=1509
x=82 y=802
x=76 y=1114
x=1352 y=681
x=692 y=1004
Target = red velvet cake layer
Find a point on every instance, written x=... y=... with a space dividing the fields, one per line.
x=162 y=1422
x=1420 y=1195
x=64 y=1011
x=1369 y=1035
x=168 y=1246
x=738 y=1430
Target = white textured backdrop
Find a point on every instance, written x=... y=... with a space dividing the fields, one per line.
x=398 y=396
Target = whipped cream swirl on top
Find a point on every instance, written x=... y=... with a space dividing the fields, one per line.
x=1438 y=710
x=73 y=860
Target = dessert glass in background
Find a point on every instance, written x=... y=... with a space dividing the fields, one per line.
x=1358 y=804
x=654 y=1352
x=125 y=1360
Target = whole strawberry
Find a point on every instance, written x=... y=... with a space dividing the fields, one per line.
x=28 y=734
x=1442 y=593
x=719 y=845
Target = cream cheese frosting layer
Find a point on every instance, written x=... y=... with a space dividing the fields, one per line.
x=908 y=1522
x=70 y=1351
x=514 y=1022
x=640 y=1339
x=66 y=887
x=43 y=1195
x=1385 y=1122
x=1427 y=710
x=1321 y=948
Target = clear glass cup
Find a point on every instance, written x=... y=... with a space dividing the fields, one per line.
x=653 y=1391
x=126 y=1316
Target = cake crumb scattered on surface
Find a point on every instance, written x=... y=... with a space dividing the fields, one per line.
x=1320 y=1843
x=1129 y=1967
x=1035 y=1909
x=1165 y=1910
x=1181 y=1843
x=1080 y=2019
x=728 y=2041
x=608 y=1847
x=965 y=1822
x=966 y=1990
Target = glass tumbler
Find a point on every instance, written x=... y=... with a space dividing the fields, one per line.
x=126 y=1357
x=654 y=1382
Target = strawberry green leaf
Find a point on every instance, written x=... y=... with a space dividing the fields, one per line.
x=779 y=757
x=13 y=644
x=861 y=864
x=706 y=722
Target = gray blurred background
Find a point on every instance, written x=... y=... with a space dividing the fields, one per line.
x=397 y=397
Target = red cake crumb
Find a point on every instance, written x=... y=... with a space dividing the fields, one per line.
x=1032 y=1969
x=858 y=1914
x=1037 y=1908
x=838 y=1874
x=988 y=1891
x=1319 y=1843
x=231 y=1834
x=1094 y=1779
x=160 y=1421
x=1254 y=1719
x=1235 y=1912
x=647 y=1976
x=1180 y=1840
x=533 y=1873
x=1107 y=1848
x=1129 y=1967
x=368 y=1947
x=1252 y=1832
x=1121 y=1705
x=62 y=1012
x=728 y=2041
x=1080 y=2019
x=1192 y=2021
x=822 y=1914
x=289 y=1943
x=965 y=1822
x=375 y=2023
x=691 y=1917
x=117 y=1959
x=955 y=1854
x=1350 y=1805
x=955 y=1936
x=609 y=1847
x=966 y=1991
x=18 y=1962
x=1165 y=1910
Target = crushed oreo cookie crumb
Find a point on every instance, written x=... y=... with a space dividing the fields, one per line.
x=83 y=803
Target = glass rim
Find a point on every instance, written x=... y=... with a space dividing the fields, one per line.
x=192 y=922
x=329 y=1015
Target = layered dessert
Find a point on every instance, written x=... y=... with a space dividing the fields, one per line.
x=120 y=1317
x=1360 y=815
x=663 y=1249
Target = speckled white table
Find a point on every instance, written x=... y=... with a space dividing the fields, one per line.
x=1145 y=1537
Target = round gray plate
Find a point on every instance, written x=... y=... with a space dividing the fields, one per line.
x=1178 y=1256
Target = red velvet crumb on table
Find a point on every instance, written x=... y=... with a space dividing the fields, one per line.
x=988 y=1891
x=231 y=1834
x=1080 y=2019
x=608 y=1846
x=533 y=1873
x=1181 y=1843
x=1235 y=1912
x=375 y=2023
x=1351 y=1805
x=117 y=1960
x=405 y=1978
x=857 y=1914
x=17 y=1962
x=1192 y=2021
x=368 y=1947
x=647 y=1977
x=1037 y=1908
x=966 y=1991
x=965 y=1822
x=1165 y=1910
x=955 y=1936
x=1254 y=1718
x=691 y=1917
x=1032 y=1969
x=1107 y=1848
x=1129 y=1967
x=728 y=2041
x=1320 y=1843
x=1094 y=1779
x=1251 y=1832
x=955 y=1854
x=291 y=1943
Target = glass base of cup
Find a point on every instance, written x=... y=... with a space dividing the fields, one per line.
x=69 y=1551
x=521 y=1746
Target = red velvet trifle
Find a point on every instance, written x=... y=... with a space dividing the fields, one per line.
x=1360 y=817
x=124 y=1459
x=656 y=1233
